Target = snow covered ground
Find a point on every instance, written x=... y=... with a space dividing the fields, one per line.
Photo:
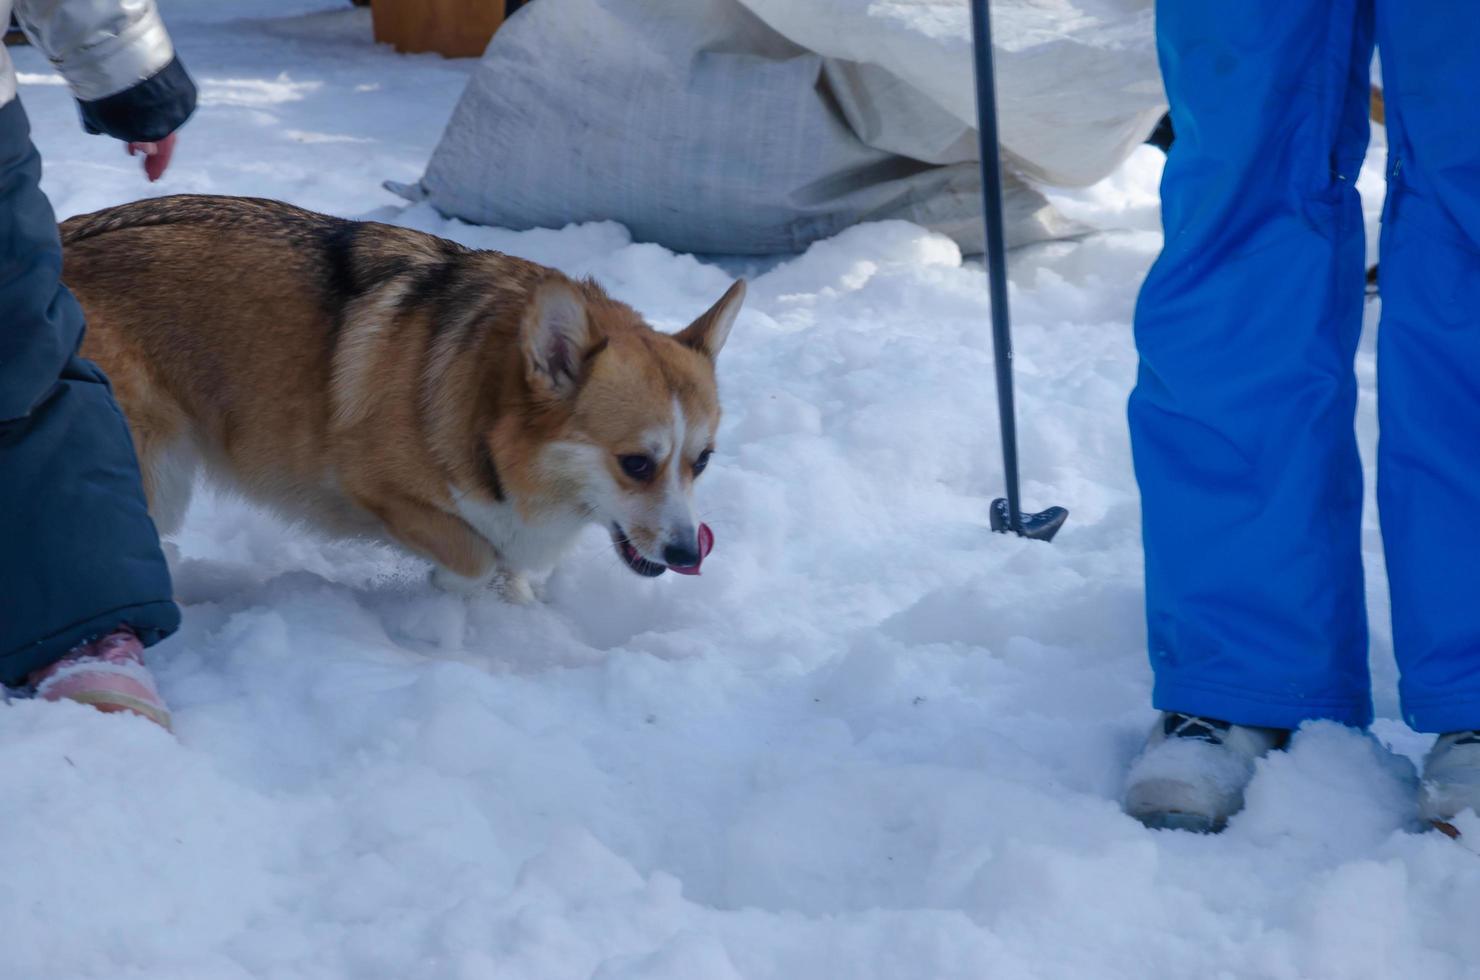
x=872 y=741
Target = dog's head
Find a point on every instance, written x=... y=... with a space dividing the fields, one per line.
x=630 y=416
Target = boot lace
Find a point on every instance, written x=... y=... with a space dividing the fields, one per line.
x=1178 y=725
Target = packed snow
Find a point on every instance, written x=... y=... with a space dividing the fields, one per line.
x=873 y=740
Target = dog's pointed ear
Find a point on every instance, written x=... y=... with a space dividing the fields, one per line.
x=556 y=337
x=709 y=333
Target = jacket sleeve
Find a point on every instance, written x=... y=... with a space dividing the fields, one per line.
x=119 y=61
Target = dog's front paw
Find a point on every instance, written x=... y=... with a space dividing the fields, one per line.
x=540 y=586
x=449 y=581
x=515 y=588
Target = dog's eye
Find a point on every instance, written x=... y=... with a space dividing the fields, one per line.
x=639 y=467
x=702 y=461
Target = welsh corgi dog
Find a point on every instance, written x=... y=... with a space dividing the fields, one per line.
x=369 y=380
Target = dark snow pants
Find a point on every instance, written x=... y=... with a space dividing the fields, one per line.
x=78 y=552
x=1242 y=419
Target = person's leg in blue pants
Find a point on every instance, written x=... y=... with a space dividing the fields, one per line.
x=79 y=556
x=1242 y=421
x=1429 y=356
x=1243 y=417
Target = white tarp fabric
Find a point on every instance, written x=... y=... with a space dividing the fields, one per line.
x=759 y=126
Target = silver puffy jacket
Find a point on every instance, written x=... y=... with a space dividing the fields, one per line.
x=101 y=47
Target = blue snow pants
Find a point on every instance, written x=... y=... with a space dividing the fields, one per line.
x=1247 y=326
x=78 y=552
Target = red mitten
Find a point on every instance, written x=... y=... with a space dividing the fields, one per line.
x=156 y=156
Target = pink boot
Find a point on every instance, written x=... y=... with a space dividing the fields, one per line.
x=107 y=673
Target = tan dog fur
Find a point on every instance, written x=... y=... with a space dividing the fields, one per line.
x=377 y=381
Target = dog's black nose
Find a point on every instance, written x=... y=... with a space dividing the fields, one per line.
x=681 y=555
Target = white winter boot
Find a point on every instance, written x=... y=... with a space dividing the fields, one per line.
x=1451 y=777
x=1192 y=773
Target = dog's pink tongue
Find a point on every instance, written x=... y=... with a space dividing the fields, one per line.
x=706 y=545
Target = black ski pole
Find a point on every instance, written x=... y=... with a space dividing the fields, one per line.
x=1006 y=513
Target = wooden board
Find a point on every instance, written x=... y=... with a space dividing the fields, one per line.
x=453 y=28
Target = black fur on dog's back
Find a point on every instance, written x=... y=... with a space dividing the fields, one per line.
x=350 y=258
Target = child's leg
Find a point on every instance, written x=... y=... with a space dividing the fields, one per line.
x=78 y=552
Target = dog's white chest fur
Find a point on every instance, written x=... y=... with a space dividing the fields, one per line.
x=524 y=547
